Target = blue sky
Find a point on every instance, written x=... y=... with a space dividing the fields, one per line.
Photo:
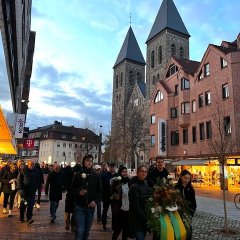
x=77 y=43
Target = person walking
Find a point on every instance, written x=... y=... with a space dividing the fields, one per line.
x=158 y=173
x=99 y=207
x=106 y=177
x=55 y=182
x=138 y=194
x=27 y=182
x=120 y=204
x=87 y=190
x=9 y=189
x=39 y=190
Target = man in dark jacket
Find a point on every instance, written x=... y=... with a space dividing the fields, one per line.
x=158 y=173
x=27 y=183
x=56 y=183
x=106 y=177
x=87 y=189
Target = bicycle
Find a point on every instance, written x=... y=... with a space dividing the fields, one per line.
x=237 y=200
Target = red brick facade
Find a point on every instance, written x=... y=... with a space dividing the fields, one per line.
x=220 y=68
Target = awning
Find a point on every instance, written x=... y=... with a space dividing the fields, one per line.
x=6 y=145
x=191 y=162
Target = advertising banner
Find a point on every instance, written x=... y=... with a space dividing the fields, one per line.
x=28 y=143
x=19 y=127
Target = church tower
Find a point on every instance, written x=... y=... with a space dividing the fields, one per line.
x=167 y=38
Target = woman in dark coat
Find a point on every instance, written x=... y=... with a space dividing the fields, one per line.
x=120 y=204
x=9 y=189
x=184 y=185
x=138 y=195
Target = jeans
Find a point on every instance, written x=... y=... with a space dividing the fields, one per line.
x=10 y=195
x=83 y=220
x=30 y=203
x=140 y=235
x=53 y=208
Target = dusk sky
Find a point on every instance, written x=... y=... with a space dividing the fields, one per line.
x=77 y=43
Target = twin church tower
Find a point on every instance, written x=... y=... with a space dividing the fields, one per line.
x=167 y=38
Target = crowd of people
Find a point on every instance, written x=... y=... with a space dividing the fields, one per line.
x=89 y=189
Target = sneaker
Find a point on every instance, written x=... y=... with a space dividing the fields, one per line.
x=9 y=213
x=38 y=206
x=4 y=210
x=52 y=219
x=104 y=228
x=30 y=221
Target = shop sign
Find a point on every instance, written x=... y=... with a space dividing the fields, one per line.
x=162 y=141
x=28 y=143
x=19 y=127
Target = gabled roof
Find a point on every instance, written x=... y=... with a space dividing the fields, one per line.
x=142 y=87
x=130 y=50
x=188 y=66
x=167 y=17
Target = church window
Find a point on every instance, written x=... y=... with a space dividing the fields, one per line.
x=121 y=79
x=117 y=82
x=159 y=97
x=119 y=98
x=138 y=76
x=173 y=50
x=160 y=55
x=131 y=78
x=181 y=52
x=152 y=59
x=154 y=80
x=158 y=77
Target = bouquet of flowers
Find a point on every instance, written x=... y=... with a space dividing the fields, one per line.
x=167 y=214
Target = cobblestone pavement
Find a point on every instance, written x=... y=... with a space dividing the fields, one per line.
x=206 y=223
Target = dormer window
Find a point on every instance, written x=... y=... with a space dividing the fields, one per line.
x=159 y=97
x=63 y=136
x=73 y=137
x=172 y=69
x=223 y=63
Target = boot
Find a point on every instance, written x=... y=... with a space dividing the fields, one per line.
x=67 y=220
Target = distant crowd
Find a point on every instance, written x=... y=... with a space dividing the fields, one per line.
x=90 y=189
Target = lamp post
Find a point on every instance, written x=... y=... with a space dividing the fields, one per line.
x=100 y=145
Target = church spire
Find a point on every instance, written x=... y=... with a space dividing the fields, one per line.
x=168 y=17
x=130 y=49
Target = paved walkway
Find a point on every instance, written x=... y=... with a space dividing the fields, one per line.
x=206 y=223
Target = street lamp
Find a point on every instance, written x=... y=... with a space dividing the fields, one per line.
x=100 y=145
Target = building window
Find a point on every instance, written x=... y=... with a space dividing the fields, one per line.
x=223 y=63
x=225 y=91
x=154 y=80
x=172 y=69
x=63 y=136
x=194 y=134
x=227 y=125
x=64 y=145
x=153 y=140
x=160 y=55
x=176 y=90
x=206 y=70
x=200 y=101
x=207 y=98
x=152 y=59
x=193 y=106
x=174 y=112
x=138 y=76
x=131 y=78
x=174 y=138
x=181 y=53
x=173 y=50
x=70 y=145
x=159 y=97
x=76 y=145
x=117 y=82
x=200 y=76
x=185 y=84
x=158 y=77
x=185 y=107
x=208 y=130
x=74 y=137
x=201 y=130
x=153 y=118
x=58 y=144
x=121 y=80
x=185 y=136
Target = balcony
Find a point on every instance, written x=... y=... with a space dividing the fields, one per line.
x=184 y=120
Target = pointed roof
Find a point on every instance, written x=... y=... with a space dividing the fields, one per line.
x=142 y=87
x=167 y=17
x=130 y=49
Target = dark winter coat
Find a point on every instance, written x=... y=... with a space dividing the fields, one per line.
x=55 y=185
x=28 y=181
x=138 y=194
x=188 y=193
x=106 y=177
x=8 y=176
x=155 y=174
x=92 y=183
